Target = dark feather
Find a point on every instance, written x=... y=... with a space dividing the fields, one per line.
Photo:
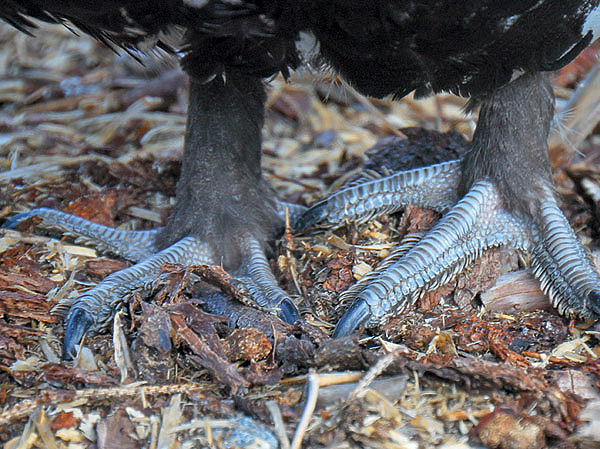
x=382 y=47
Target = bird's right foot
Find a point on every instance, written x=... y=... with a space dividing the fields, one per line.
x=485 y=217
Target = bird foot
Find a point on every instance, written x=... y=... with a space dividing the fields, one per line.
x=473 y=224
x=93 y=310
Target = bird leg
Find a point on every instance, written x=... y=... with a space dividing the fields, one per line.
x=507 y=199
x=225 y=213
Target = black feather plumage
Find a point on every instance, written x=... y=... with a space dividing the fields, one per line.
x=382 y=47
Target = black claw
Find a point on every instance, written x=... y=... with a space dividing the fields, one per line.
x=594 y=302
x=288 y=312
x=78 y=323
x=310 y=218
x=356 y=316
x=13 y=222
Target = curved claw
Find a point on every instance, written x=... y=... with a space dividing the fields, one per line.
x=288 y=311
x=311 y=217
x=13 y=222
x=593 y=302
x=79 y=322
x=356 y=316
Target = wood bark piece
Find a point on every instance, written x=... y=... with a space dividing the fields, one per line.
x=219 y=368
x=515 y=292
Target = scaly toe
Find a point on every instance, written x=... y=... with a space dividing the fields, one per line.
x=132 y=245
x=357 y=315
x=263 y=290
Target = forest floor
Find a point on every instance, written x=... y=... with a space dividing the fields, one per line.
x=482 y=361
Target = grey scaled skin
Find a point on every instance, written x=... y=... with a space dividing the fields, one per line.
x=508 y=200
x=224 y=215
x=131 y=245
